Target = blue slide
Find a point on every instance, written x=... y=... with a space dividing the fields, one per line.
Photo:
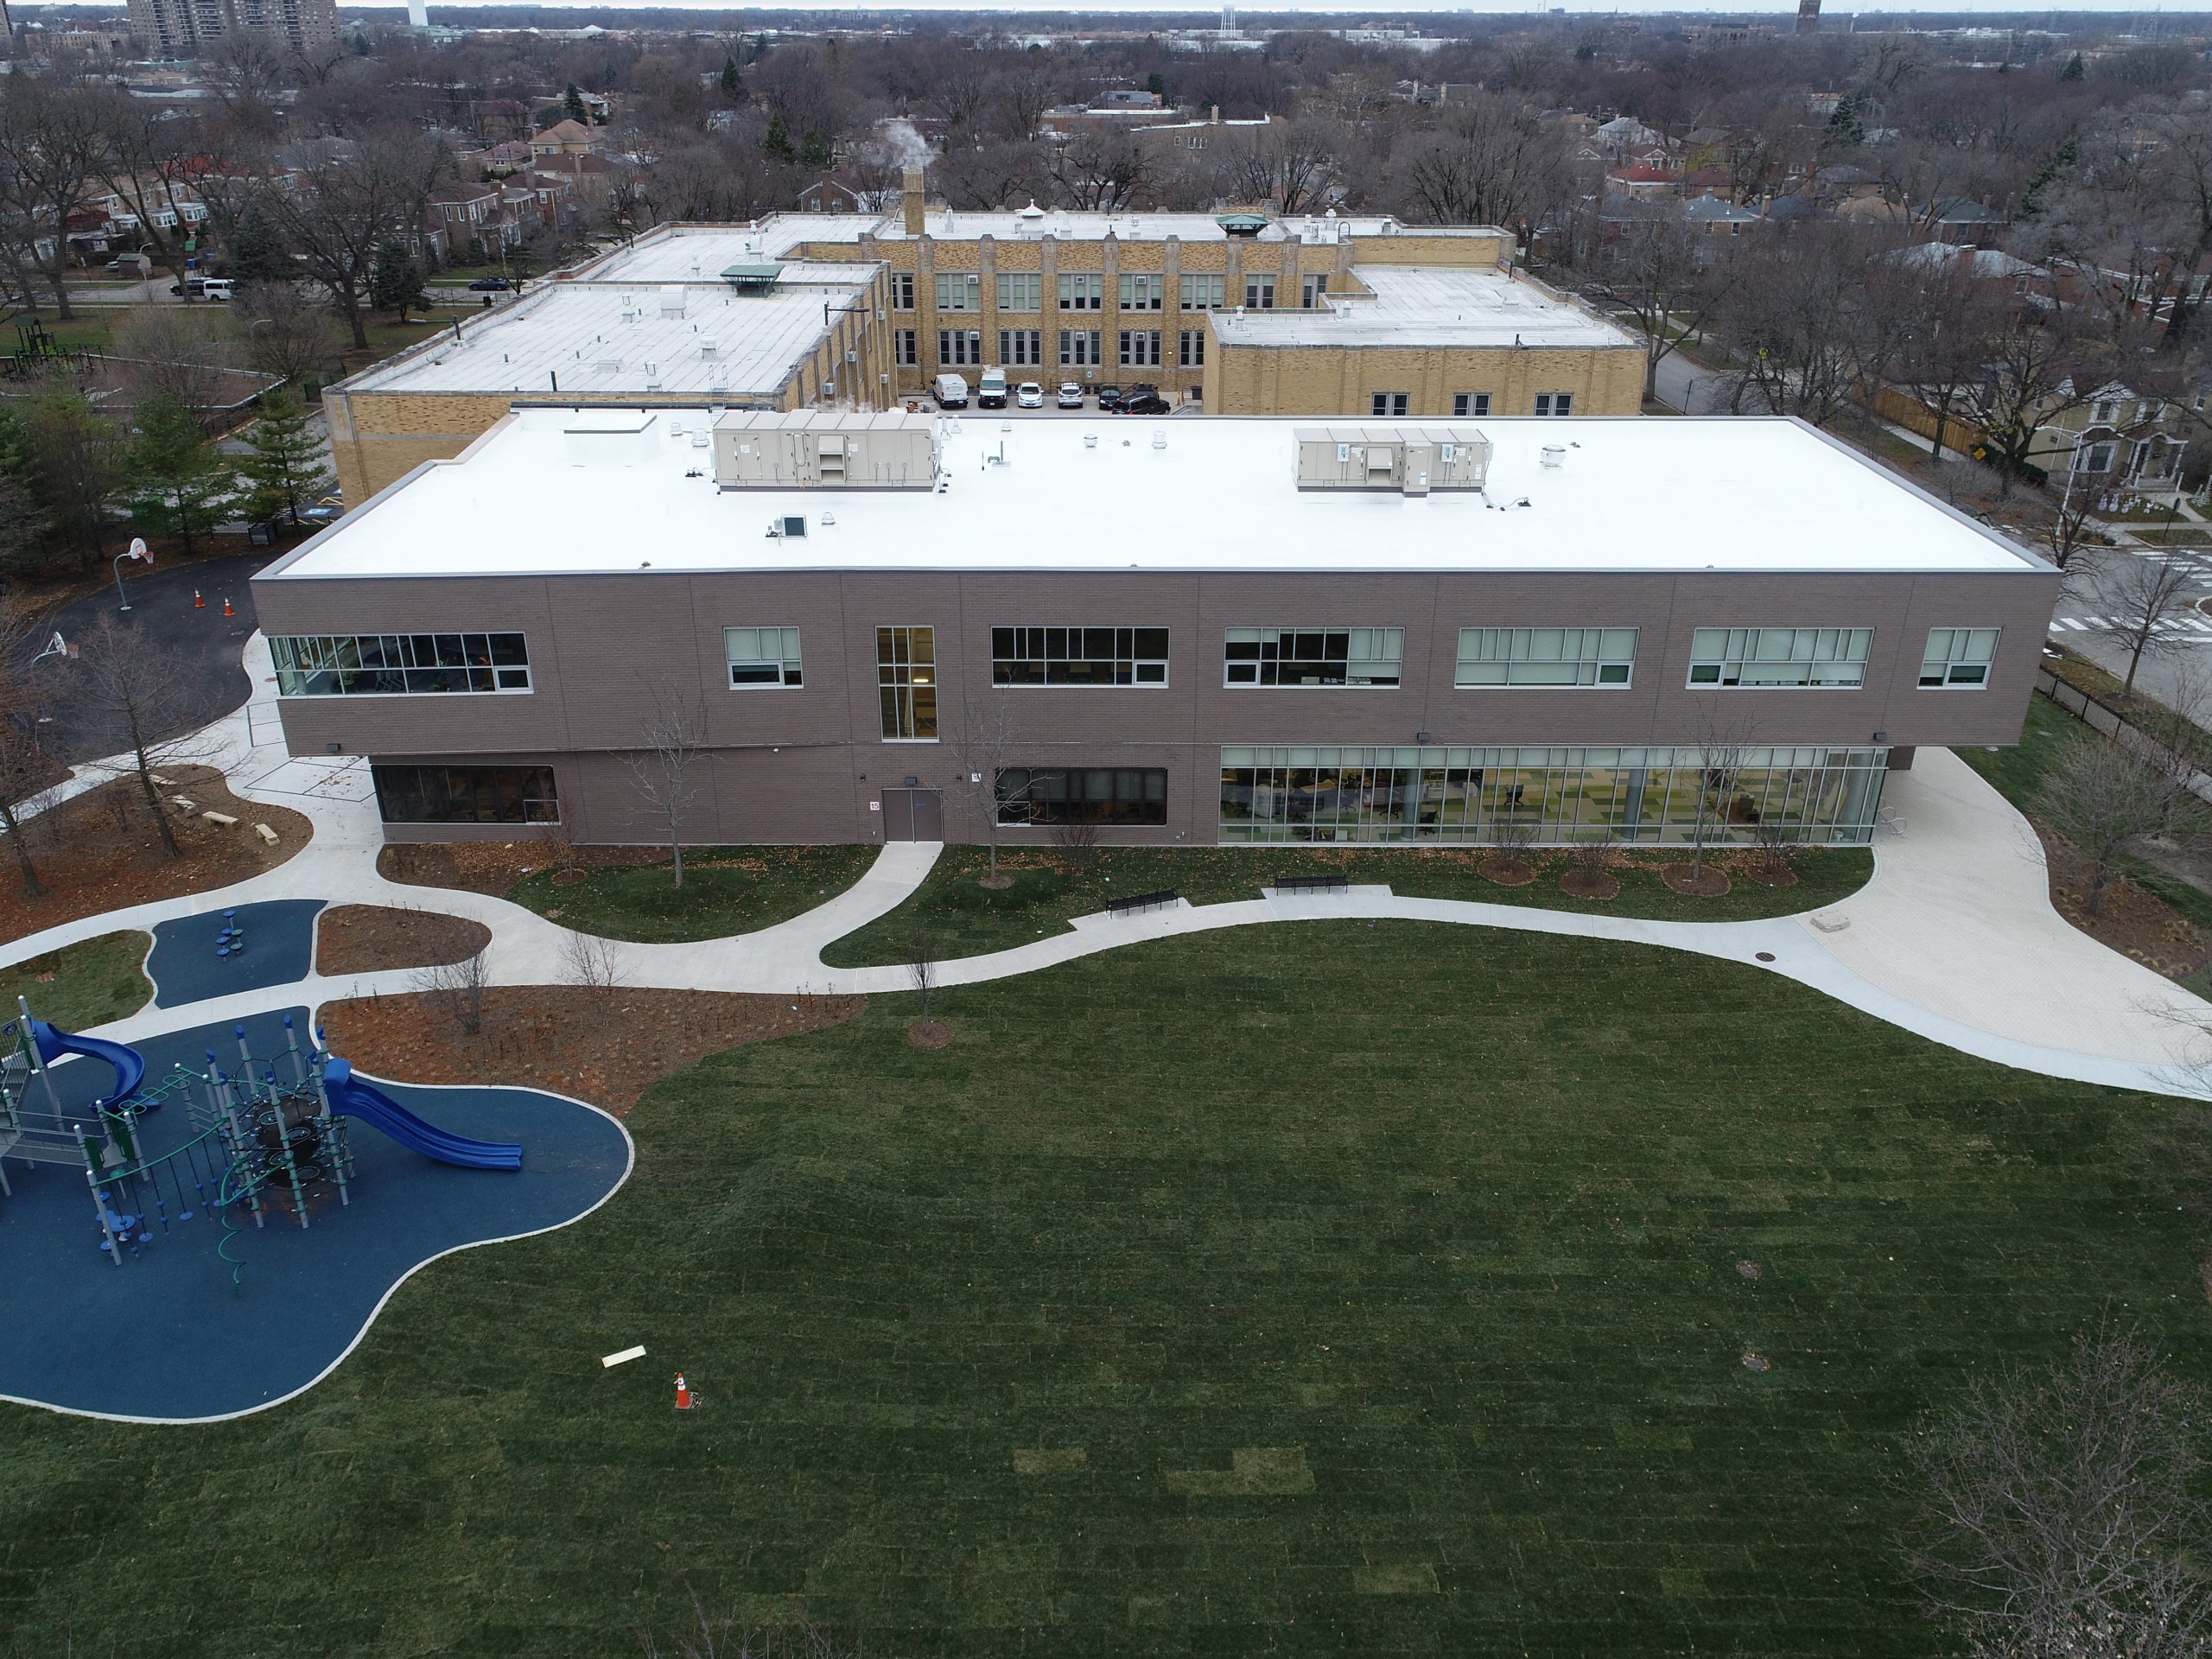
x=129 y=1064
x=351 y=1097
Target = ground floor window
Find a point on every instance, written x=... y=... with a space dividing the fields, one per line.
x=465 y=794
x=1292 y=794
x=1051 y=795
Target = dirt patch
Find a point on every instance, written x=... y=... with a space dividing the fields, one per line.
x=492 y=866
x=1590 y=884
x=1710 y=883
x=2130 y=918
x=1763 y=876
x=1507 y=872
x=607 y=1048
x=371 y=938
x=102 y=850
x=929 y=1033
x=998 y=883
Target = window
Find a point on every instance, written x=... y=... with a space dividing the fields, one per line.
x=1022 y=290
x=1260 y=293
x=2104 y=411
x=1021 y=348
x=1389 y=403
x=1827 y=657
x=959 y=347
x=1311 y=291
x=909 y=348
x=1370 y=656
x=465 y=794
x=1147 y=291
x=902 y=290
x=1554 y=402
x=1959 y=658
x=1082 y=291
x=388 y=665
x=761 y=656
x=1078 y=656
x=959 y=291
x=1465 y=403
x=906 y=683
x=1204 y=293
x=1190 y=348
x=1140 y=348
x=1082 y=795
x=2092 y=458
x=1080 y=347
x=1603 y=656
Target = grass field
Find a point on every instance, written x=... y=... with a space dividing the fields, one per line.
x=94 y=982
x=1322 y=1289
x=726 y=890
x=965 y=919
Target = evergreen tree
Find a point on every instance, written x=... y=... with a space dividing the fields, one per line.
x=258 y=252
x=2075 y=69
x=73 y=462
x=1845 y=129
x=572 y=101
x=285 y=471
x=179 y=485
x=732 y=82
x=815 y=152
x=396 y=282
x=24 y=525
x=777 y=143
x=2061 y=164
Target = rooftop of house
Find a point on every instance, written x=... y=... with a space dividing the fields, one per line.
x=1430 y=305
x=602 y=339
x=559 y=492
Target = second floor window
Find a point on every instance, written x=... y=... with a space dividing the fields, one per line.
x=1830 y=658
x=1204 y=293
x=959 y=291
x=902 y=290
x=1260 y=293
x=1079 y=655
x=906 y=683
x=1959 y=656
x=1604 y=656
x=1465 y=403
x=762 y=656
x=1554 y=402
x=388 y=665
x=1082 y=291
x=1144 y=292
x=1389 y=403
x=1020 y=290
x=1314 y=657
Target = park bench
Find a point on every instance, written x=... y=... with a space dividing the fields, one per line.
x=1141 y=901
x=1313 y=884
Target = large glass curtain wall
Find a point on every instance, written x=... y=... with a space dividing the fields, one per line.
x=1290 y=793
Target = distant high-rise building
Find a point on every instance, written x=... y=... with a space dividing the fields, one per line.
x=187 y=28
x=418 y=13
x=1808 y=16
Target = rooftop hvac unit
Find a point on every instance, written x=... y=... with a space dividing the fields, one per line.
x=672 y=301
x=1415 y=457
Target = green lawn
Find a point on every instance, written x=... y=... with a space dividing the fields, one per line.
x=1321 y=1289
x=965 y=919
x=94 y=982
x=726 y=890
x=2016 y=772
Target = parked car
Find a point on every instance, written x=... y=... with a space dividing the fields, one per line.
x=1029 y=395
x=990 y=390
x=951 y=391
x=490 y=285
x=1109 y=399
x=1071 y=395
x=1145 y=400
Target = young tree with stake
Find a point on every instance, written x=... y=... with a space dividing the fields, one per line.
x=672 y=743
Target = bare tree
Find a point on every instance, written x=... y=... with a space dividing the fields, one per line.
x=672 y=742
x=26 y=769
x=1656 y=272
x=347 y=198
x=921 y=971
x=50 y=144
x=456 y=990
x=989 y=737
x=2103 y=795
x=1512 y=837
x=142 y=692
x=593 y=964
x=1288 y=166
x=1489 y=162
x=1723 y=746
x=2137 y=601
x=2061 y=1511
x=287 y=334
x=193 y=356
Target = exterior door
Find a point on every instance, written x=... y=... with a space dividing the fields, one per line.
x=914 y=815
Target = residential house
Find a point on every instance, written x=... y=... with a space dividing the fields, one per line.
x=1711 y=215
x=2118 y=442
x=566 y=138
x=1962 y=219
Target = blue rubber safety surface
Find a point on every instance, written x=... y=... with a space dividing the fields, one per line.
x=279 y=949
x=164 y=1336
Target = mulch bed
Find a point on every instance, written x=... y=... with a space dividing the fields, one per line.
x=492 y=866
x=102 y=850
x=606 y=1047
x=1507 y=872
x=1709 y=883
x=2130 y=918
x=372 y=938
x=929 y=1033
x=1590 y=884
x=1781 y=875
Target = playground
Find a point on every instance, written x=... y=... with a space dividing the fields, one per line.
x=195 y=1227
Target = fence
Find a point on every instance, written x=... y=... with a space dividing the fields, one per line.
x=2100 y=716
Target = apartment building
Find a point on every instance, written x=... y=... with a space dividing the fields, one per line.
x=1230 y=631
x=188 y=29
x=1239 y=313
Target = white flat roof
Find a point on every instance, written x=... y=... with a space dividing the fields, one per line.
x=1717 y=493
x=954 y=226
x=1430 y=305
x=602 y=338
x=680 y=253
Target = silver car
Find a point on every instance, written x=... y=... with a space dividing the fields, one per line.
x=1071 y=395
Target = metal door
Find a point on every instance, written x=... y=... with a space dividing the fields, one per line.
x=914 y=815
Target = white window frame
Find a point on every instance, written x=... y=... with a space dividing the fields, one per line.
x=1469 y=405
x=971 y=340
x=1204 y=291
x=959 y=290
x=906 y=344
x=1390 y=405
x=1949 y=651
x=902 y=290
x=1190 y=348
x=1135 y=344
x=1092 y=340
x=1555 y=404
x=1595 y=658
x=786 y=663
x=1385 y=645
x=1022 y=290
x=1771 y=646
x=1021 y=348
x=1083 y=290
x=1143 y=290
x=1259 y=292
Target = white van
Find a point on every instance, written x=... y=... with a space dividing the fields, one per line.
x=951 y=391
x=990 y=390
x=216 y=288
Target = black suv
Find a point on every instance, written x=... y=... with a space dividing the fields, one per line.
x=1145 y=400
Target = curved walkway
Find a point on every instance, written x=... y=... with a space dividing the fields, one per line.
x=1953 y=939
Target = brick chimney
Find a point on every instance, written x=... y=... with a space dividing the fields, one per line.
x=913 y=201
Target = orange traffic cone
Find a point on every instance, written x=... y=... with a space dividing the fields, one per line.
x=683 y=1398
x=227 y=611
x=198 y=603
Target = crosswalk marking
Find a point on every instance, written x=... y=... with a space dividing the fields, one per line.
x=2194 y=628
